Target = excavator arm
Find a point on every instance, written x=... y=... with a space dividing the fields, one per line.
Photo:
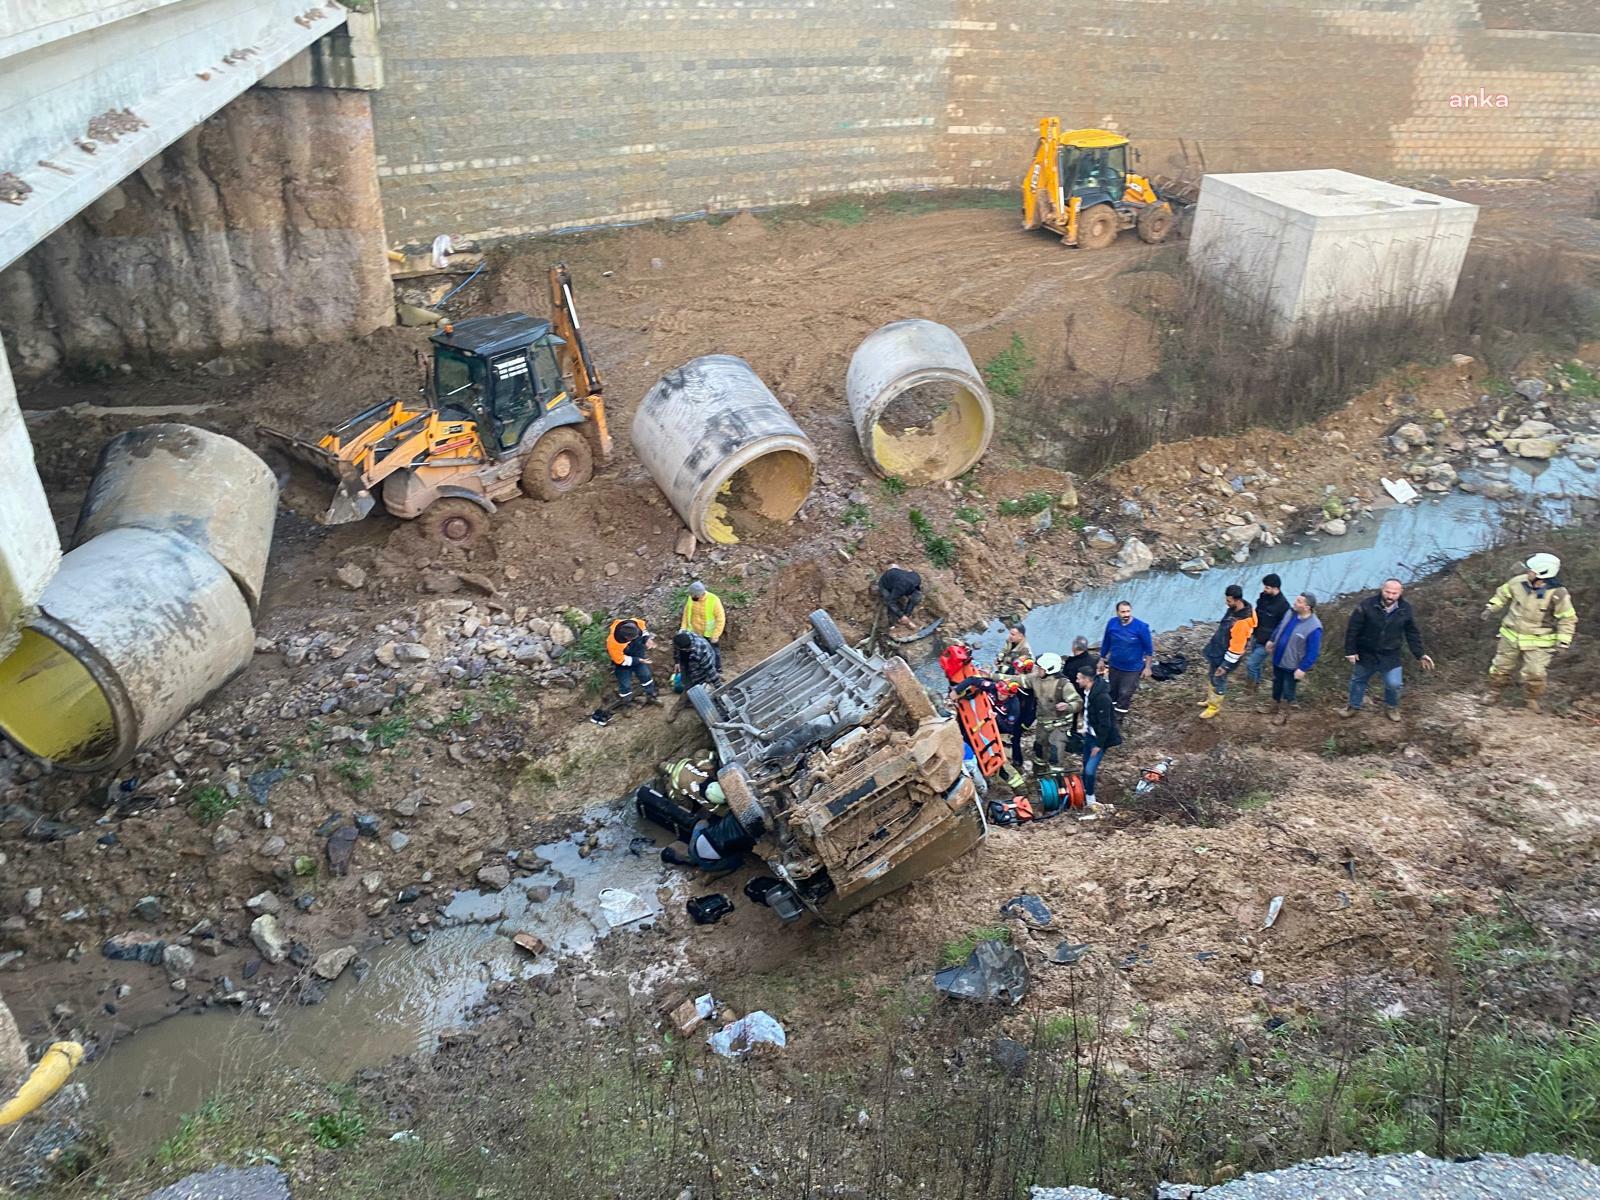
x=587 y=386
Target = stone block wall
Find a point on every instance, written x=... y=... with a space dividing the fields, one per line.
x=513 y=116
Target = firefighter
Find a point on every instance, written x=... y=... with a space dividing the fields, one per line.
x=1539 y=620
x=1059 y=707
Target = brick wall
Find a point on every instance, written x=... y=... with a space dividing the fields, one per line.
x=513 y=116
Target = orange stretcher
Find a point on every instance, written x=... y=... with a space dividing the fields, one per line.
x=974 y=712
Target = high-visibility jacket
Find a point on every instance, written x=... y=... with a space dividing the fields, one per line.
x=616 y=649
x=1536 y=618
x=687 y=777
x=704 y=616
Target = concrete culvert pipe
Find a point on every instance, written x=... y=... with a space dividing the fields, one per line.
x=726 y=454
x=137 y=627
x=207 y=487
x=918 y=404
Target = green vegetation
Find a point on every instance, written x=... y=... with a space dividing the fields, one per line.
x=841 y=212
x=892 y=486
x=969 y=514
x=1007 y=372
x=1251 y=801
x=355 y=773
x=953 y=954
x=392 y=728
x=856 y=514
x=940 y=549
x=1030 y=505
x=502 y=696
x=1578 y=380
x=212 y=804
x=1332 y=507
x=336 y=1130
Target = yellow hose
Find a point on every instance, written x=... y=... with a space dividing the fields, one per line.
x=53 y=1070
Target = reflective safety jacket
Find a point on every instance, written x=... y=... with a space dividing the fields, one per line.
x=687 y=777
x=704 y=616
x=615 y=646
x=1536 y=617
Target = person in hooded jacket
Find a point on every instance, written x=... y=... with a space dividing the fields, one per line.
x=1271 y=607
x=1100 y=729
x=1227 y=647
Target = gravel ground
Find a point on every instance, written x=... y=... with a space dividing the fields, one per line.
x=1390 y=1177
x=228 y=1183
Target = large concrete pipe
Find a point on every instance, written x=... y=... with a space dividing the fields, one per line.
x=150 y=611
x=137 y=627
x=726 y=454
x=209 y=488
x=918 y=404
x=29 y=551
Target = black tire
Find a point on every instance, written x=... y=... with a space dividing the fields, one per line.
x=742 y=802
x=561 y=462
x=700 y=701
x=827 y=633
x=1156 y=224
x=908 y=690
x=454 y=522
x=1097 y=227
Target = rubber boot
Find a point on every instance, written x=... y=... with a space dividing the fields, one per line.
x=1532 y=689
x=1497 y=689
x=1211 y=693
x=1213 y=708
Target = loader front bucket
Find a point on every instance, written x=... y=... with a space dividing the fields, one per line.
x=305 y=469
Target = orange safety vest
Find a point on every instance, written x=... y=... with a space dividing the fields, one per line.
x=619 y=650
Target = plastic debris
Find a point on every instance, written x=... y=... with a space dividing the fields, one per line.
x=1029 y=909
x=994 y=973
x=1257 y=978
x=707 y=910
x=1400 y=490
x=622 y=908
x=1152 y=775
x=749 y=1032
x=1068 y=953
x=1273 y=910
x=692 y=1013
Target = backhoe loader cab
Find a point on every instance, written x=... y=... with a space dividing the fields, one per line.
x=510 y=403
x=502 y=372
x=1079 y=186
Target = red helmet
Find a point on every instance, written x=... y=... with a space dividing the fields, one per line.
x=1024 y=666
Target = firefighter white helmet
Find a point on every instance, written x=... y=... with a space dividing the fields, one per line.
x=1050 y=664
x=1545 y=566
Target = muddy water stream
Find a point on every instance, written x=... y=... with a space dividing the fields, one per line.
x=406 y=999
x=1405 y=541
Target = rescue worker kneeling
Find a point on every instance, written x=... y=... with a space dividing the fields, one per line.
x=694 y=808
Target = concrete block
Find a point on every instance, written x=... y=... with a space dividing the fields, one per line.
x=1302 y=248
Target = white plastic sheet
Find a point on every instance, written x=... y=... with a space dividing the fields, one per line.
x=748 y=1032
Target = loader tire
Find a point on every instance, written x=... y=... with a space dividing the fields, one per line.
x=1097 y=227
x=561 y=462
x=454 y=522
x=1156 y=225
x=742 y=802
x=908 y=690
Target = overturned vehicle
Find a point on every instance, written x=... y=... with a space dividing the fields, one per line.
x=842 y=769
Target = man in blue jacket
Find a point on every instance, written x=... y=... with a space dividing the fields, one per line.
x=1293 y=648
x=1128 y=650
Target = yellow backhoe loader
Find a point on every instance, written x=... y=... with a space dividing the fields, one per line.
x=510 y=403
x=1079 y=186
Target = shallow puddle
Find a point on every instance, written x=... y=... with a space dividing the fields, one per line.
x=408 y=998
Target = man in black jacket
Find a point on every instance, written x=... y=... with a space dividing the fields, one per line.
x=900 y=591
x=1372 y=640
x=1271 y=607
x=1100 y=731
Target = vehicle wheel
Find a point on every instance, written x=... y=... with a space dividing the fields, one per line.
x=1097 y=227
x=742 y=802
x=827 y=633
x=561 y=462
x=454 y=522
x=700 y=701
x=1155 y=224
x=909 y=690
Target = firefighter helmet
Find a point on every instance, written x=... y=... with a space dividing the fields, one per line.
x=1545 y=566
x=1050 y=664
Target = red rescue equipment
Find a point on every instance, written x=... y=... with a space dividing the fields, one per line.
x=974 y=711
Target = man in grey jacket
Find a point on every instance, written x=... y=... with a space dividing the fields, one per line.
x=1293 y=649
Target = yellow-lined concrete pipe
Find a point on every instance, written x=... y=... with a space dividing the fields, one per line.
x=54 y=1069
x=722 y=449
x=919 y=406
x=151 y=610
